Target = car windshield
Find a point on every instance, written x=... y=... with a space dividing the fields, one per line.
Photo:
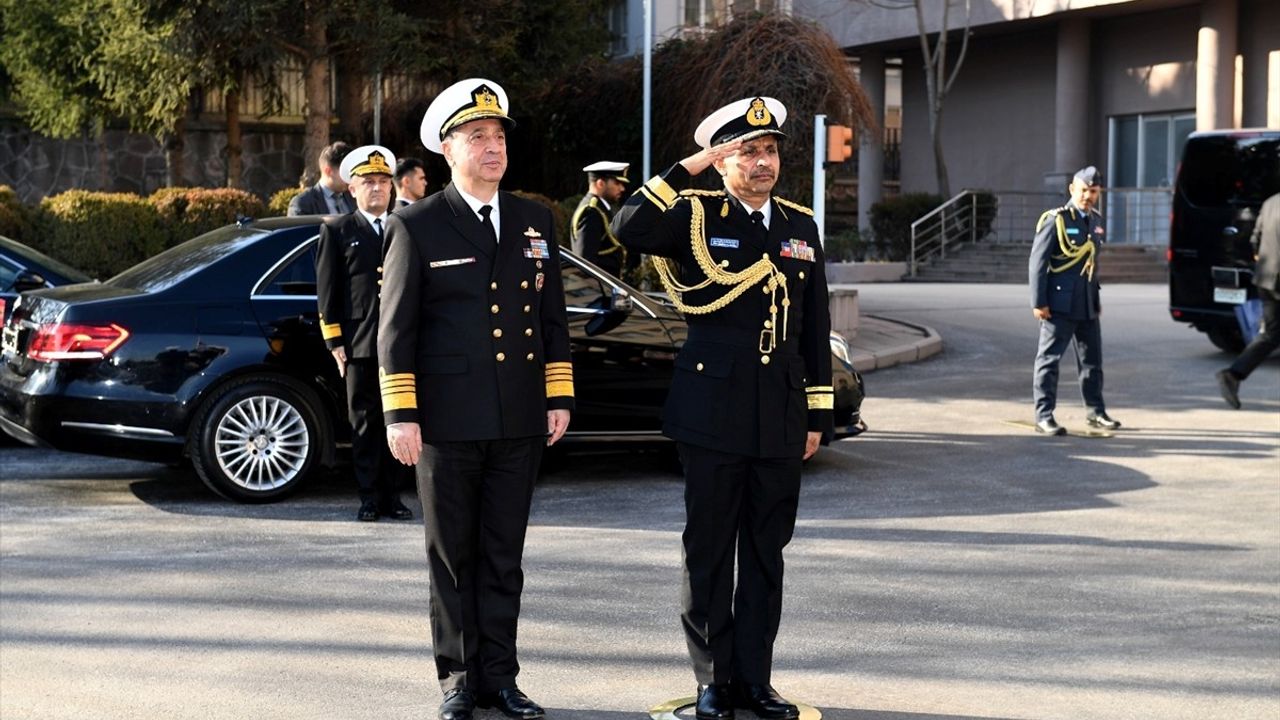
x=33 y=255
x=1230 y=170
x=178 y=263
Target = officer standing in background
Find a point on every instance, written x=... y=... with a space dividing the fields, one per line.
x=1065 y=299
x=593 y=238
x=411 y=182
x=1266 y=277
x=348 y=270
x=751 y=396
x=476 y=381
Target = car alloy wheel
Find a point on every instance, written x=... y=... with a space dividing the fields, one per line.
x=261 y=443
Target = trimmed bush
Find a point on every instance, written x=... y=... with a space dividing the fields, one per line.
x=15 y=218
x=845 y=244
x=891 y=220
x=278 y=205
x=558 y=215
x=188 y=212
x=101 y=233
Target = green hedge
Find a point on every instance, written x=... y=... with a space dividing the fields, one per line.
x=100 y=233
x=278 y=205
x=187 y=212
x=15 y=218
x=558 y=214
x=891 y=220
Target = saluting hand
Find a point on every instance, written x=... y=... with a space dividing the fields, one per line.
x=811 y=443
x=405 y=441
x=706 y=157
x=557 y=423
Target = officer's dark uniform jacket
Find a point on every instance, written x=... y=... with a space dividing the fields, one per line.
x=474 y=343
x=1063 y=263
x=348 y=266
x=593 y=237
x=727 y=394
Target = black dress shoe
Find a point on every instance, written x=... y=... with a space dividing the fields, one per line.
x=715 y=702
x=458 y=705
x=368 y=511
x=764 y=701
x=395 y=510
x=512 y=703
x=1101 y=420
x=1230 y=387
x=1049 y=426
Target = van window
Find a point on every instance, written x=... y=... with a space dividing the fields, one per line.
x=1230 y=171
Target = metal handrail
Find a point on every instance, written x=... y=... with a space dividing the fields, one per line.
x=931 y=233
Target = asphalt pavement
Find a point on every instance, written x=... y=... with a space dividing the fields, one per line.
x=947 y=564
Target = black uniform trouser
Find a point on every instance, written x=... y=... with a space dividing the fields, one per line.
x=475 y=500
x=747 y=504
x=1056 y=334
x=376 y=469
x=1268 y=338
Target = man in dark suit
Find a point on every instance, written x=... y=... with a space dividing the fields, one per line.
x=329 y=196
x=348 y=271
x=593 y=237
x=751 y=397
x=1266 y=277
x=1066 y=300
x=476 y=381
x=411 y=182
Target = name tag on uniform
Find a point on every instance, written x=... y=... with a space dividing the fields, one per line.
x=723 y=242
x=537 y=248
x=798 y=250
x=450 y=263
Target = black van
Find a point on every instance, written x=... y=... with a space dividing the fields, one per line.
x=1222 y=180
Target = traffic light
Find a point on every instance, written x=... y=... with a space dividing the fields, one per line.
x=839 y=143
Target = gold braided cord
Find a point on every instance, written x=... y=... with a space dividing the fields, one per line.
x=608 y=231
x=762 y=270
x=1074 y=254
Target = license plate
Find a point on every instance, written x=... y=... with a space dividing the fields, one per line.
x=1231 y=296
x=9 y=340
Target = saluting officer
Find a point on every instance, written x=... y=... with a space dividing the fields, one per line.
x=348 y=268
x=476 y=380
x=593 y=237
x=751 y=397
x=1065 y=299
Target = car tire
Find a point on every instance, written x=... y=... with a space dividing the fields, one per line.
x=256 y=439
x=1226 y=337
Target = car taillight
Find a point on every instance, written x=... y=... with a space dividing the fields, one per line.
x=59 y=341
x=2 y=306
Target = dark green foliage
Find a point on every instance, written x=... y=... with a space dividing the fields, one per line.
x=845 y=244
x=187 y=212
x=15 y=218
x=891 y=220
x=278 y=205
x=100 y=233
x=558 y=214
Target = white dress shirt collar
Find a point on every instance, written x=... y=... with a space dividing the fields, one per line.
x=766 y=210
x=475 y=206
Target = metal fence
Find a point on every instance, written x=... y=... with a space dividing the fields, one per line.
x=1133 y=216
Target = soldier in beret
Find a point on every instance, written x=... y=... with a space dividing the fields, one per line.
x=1065 y=299
x=751 y=397
x=476 y=379
x=348 y=270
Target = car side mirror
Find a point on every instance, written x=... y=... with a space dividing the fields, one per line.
x=620 y=301
x=28 y=280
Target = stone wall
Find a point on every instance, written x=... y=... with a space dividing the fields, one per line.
x=37 y=166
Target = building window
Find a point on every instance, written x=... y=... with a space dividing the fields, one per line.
x=619 y=45
x=707 y=14
x=1142 y=160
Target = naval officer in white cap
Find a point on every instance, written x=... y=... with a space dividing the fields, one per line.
x=593 y=237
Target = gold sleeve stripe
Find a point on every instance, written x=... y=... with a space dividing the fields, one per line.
x=330 y=331
x=820 y=388
x=559 y=366
x=559 y=388
x=659 y=189
x=384 y=375
x=398 y=387
x=399 y=401
x=822 y=401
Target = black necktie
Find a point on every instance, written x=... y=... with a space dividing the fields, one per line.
x=377 y=226
x=487 y=223
x=757 y=219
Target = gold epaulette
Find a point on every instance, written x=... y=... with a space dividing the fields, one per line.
x=1045 y=216
x=702 y=193
x=794 y=206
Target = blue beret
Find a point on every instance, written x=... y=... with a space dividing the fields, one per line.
x=1089 y=176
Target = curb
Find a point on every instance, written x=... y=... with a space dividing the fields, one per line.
x=922 y=342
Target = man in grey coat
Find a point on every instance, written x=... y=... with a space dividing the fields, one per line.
x=1266 y=276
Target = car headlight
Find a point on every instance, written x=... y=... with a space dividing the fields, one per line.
x=840 y=347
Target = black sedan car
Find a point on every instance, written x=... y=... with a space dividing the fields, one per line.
x=23 y=269
x=212 y=351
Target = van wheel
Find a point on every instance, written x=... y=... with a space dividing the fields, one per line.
x=1226 y=336
x=255 y=440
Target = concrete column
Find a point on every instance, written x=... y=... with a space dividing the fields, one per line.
x=1071 y=104
x=871 y=144
x=1216 y=65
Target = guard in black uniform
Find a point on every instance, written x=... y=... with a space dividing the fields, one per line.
x=751 y=397
x=348 y=268
x=476 y=379
x=1066 y=301
x=593 y=236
